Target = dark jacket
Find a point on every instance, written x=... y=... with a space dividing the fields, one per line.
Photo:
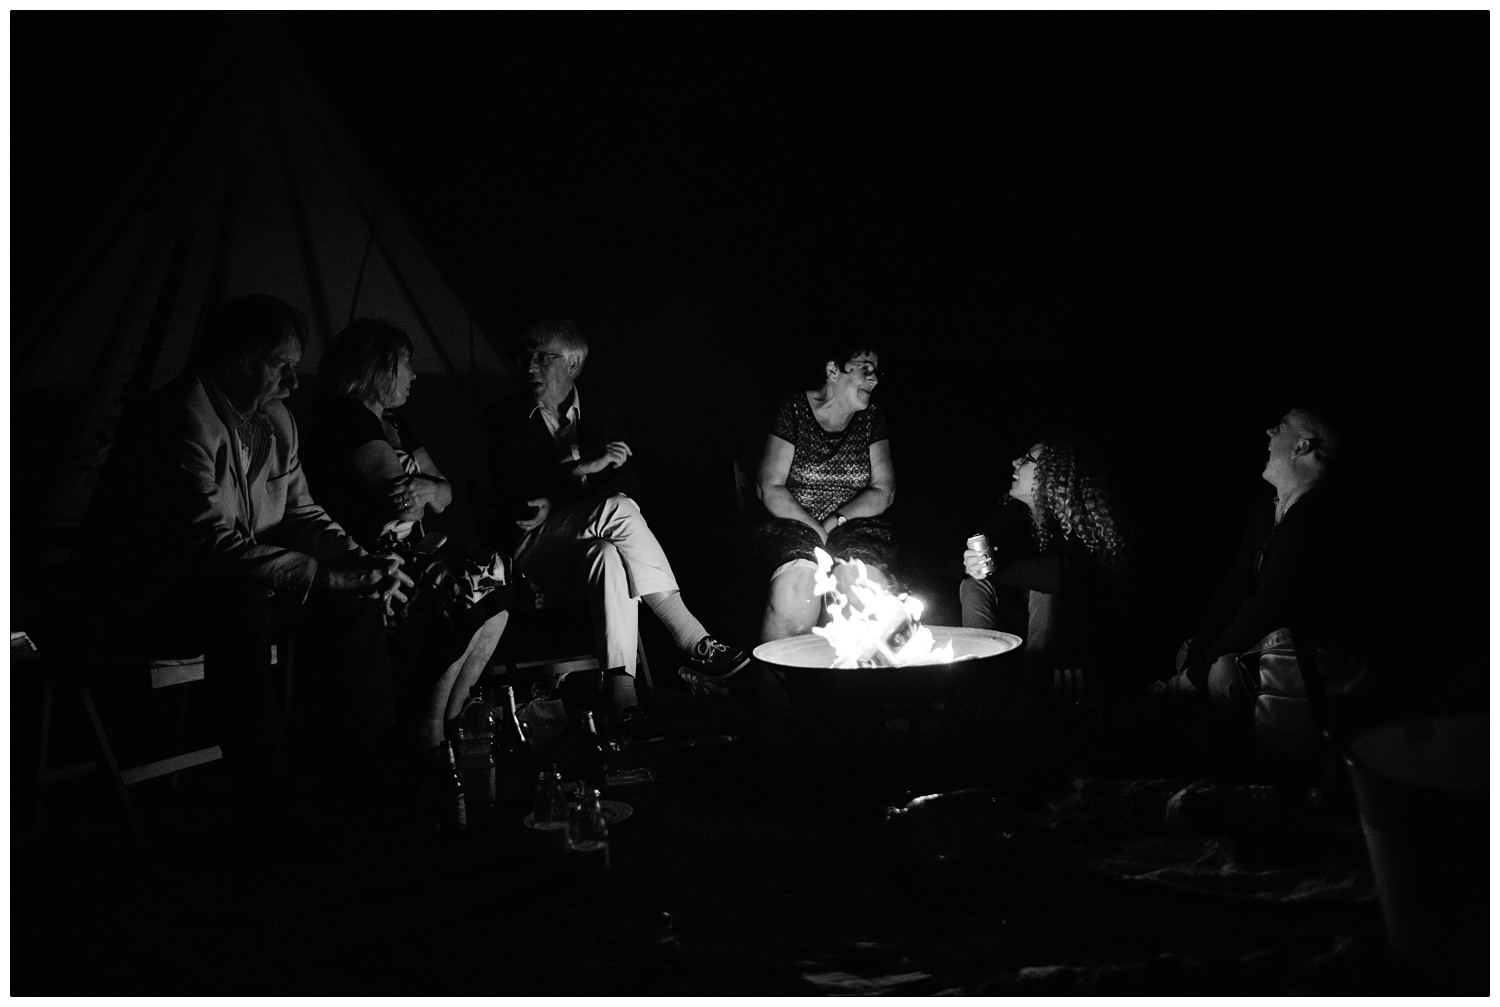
x=1290 y=575
x=523 y=465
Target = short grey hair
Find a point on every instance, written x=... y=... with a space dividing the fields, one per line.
x=564 y=332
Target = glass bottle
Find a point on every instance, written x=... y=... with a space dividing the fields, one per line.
x=588 y=836
x=448 y=805
x=476 y=740
x=595 y=765
x=514 y=768
x=551 y=807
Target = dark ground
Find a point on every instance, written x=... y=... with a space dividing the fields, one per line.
x=766 y=852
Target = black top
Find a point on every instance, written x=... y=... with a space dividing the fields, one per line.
x=343 y=426
x=1067 y=568
x=1284 y=576
x=1019 y=561
x=524 y=466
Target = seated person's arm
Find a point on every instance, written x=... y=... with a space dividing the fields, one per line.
x=378 y=471
x=1039 y=573
x=613 y=456
x=430 y=489
x=1013 y=554
x=770 y=484
x=874 y=499
x=604 y=464
x=1229 y=598
x=287 y=556
x=1291 y=587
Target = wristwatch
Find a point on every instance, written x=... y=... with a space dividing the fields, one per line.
x=842 y=519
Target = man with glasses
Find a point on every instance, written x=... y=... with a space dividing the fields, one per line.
x=1284 y=574
x=566 y=488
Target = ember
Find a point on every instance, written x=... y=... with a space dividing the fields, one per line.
x=877 y=629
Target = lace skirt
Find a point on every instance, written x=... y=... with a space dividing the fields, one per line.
x=781 y=540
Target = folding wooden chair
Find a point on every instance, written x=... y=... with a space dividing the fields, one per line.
x=68 y=678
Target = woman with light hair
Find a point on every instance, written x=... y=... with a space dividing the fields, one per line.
x=1053 y=542
x=379 y=482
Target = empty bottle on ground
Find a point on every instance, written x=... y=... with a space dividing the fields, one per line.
x=514 y=769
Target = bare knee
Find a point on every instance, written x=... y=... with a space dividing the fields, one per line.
x=791 y=606
x=972 y=590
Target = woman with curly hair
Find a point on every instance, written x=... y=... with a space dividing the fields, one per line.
x=1053 y=542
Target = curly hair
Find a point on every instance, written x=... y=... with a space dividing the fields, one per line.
x=1072 y=496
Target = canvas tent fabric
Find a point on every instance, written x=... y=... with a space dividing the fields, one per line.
x=251 y=186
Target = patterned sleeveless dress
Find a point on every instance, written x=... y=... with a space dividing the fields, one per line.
x=827 y=471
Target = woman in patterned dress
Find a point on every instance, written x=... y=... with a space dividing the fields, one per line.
x=826 y=479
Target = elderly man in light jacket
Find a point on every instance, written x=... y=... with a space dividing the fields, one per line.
x=202 y=537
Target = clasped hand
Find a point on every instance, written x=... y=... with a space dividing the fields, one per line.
x=376 y=577
x=410 y=492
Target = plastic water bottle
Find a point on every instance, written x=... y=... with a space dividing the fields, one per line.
x=476 y=740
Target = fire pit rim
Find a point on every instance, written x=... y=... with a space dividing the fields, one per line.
x=775 y=652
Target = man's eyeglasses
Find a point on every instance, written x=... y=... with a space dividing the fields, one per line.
x=542 y=357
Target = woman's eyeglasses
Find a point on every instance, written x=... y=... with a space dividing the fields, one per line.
x=866 y=370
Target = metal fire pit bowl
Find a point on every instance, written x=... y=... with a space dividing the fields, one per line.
x=822 y=692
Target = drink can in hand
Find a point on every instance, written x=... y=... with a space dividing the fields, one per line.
x=981 y=543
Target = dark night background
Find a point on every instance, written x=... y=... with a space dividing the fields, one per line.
x=1158 y=230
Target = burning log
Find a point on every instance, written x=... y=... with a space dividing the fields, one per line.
x=876 y=629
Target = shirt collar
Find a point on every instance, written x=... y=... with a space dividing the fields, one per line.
x=1284 y=501
x=568 y=408
x=233 y=418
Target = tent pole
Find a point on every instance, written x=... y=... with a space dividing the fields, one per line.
x=304 y=239
x=364 y=260
x=396 y=274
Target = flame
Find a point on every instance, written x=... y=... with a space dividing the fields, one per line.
x=884 y=629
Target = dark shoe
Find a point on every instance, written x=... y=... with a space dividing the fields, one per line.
x=715 y=661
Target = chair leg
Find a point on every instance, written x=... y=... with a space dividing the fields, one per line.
x=643 y=669
x=41 y=762
x=181 y=730
x=284 y=651
x=110 y=766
